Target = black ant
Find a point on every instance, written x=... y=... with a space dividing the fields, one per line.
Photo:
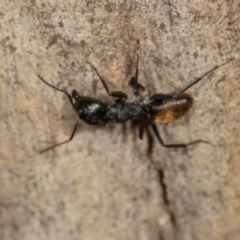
x=160 y=108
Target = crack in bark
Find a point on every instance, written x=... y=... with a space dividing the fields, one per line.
x=163 y=186
x=166 y=200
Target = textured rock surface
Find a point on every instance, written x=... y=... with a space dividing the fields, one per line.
x=102 y=185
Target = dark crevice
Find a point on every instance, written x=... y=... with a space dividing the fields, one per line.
x=161 y=236
x=172 y=215
x=163 y=186
x=166 y=200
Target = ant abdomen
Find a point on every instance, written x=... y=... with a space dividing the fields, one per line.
x=171 y=109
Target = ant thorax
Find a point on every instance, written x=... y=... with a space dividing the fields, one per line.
x=136 y=100
x=146 y=101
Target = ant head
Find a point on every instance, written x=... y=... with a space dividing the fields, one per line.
x=75 y=94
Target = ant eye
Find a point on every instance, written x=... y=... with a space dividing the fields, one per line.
x=75 y=94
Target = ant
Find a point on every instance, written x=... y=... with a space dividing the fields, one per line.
x=160 y=108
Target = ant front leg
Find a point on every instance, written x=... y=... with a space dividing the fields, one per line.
x=180 y=145
x=117 y=94
x=58 y=144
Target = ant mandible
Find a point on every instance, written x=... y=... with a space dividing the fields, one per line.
x=160 y=108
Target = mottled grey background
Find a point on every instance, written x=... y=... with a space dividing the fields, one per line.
x=102 y=185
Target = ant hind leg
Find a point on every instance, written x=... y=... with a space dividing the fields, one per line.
x=200 y=78
x=178 y=145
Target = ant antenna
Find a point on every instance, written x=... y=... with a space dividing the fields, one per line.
x=50 y=85
x=58 y=89
x=205 y=74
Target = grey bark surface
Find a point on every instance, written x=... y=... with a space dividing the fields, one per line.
x=102 y=184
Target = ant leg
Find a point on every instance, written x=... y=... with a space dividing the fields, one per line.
x=183 y=145
x=200 y=78
x=136 y=93
x=140 y=86
x=141 y=127
x=117 y=94
x=72 y=135
x=159 y=96
x=58 y=89
x=135 y=80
